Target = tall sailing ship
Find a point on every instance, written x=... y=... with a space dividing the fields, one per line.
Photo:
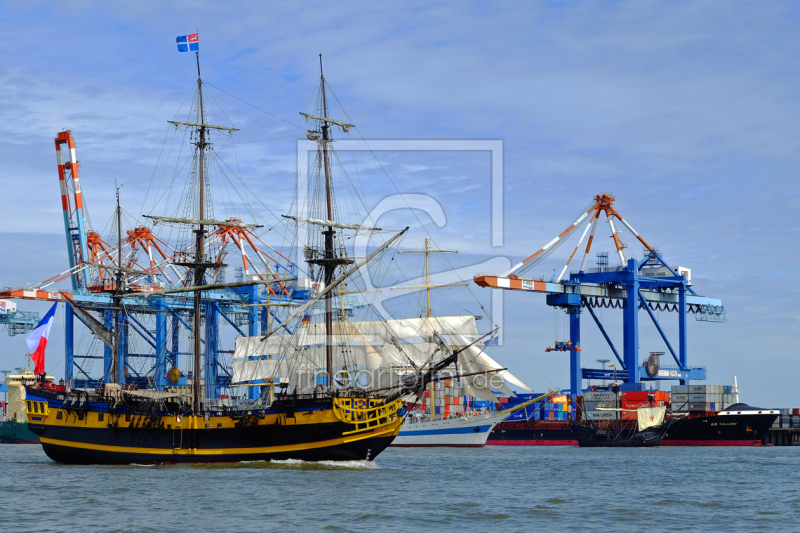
x=323 y=387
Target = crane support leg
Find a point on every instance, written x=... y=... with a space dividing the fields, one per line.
x=661 y=331
x=69 y=342
x=107 y=354
x=122 y=351
x=630 y=327
x=575 y=374
x=175 y=338
x=253 y=319
x=682 y=337
x=212 y=349
x=161 y=342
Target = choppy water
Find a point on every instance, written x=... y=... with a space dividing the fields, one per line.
x=408 y=490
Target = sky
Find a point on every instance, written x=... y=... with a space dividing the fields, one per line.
x=686 y=111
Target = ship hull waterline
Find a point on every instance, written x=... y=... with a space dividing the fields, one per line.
x=13 y=432
x=460 y=432
x=720 y=430
x=96 y=436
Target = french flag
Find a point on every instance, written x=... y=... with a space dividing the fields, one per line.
x=37 y=339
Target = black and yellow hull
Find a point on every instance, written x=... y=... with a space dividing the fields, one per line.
x=320 y=430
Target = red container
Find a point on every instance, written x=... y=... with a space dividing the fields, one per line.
x=503 y=400
x=795 y=412
x=635 y=395
x=634 y=405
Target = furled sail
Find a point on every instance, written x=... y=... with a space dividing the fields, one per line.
x=331 y=223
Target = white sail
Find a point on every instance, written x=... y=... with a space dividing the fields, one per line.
x=261 y=369
x=367 y=356
x=650 y=416
x=384 y=331
x=377 y=332
x=479 y=361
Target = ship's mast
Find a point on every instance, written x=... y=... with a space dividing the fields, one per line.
x=330 y=265
x=199 y=269
x=117 y=299
x=327 y=259
x=427 y=251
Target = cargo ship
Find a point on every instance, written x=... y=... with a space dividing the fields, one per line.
x=14 y=422
x=646 y=432
x=545 y=423
x=737 y=425
x=698 y=415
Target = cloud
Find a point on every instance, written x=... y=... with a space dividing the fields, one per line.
x=685 y=111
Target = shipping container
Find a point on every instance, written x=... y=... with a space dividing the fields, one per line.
x=675 y=398
x=698 y=389
x=634 y=395
x=599 y=396
x=680 y=389
x=680 y=407
x=592 y=406
x=702 y=406
x=601 y=415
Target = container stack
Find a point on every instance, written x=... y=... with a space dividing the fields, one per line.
x=592 y=400
x=448 y=399
x=789 y=418
x=556 y=408
x=701 y=398
x=595 y=403
x=633 y=400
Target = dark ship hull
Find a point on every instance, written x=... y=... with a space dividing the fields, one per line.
x=309 y=430
x=13 y=432
x=532 y=433
x=738 y=425
x=590 y=436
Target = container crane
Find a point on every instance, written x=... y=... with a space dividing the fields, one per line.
x=72 y=206
x=649 y=283
x=158 y=273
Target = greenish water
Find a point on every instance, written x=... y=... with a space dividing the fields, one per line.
x=408 y=490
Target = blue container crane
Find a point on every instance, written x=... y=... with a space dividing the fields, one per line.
x=648 y=283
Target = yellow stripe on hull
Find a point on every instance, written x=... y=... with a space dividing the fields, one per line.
x=390 y=431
